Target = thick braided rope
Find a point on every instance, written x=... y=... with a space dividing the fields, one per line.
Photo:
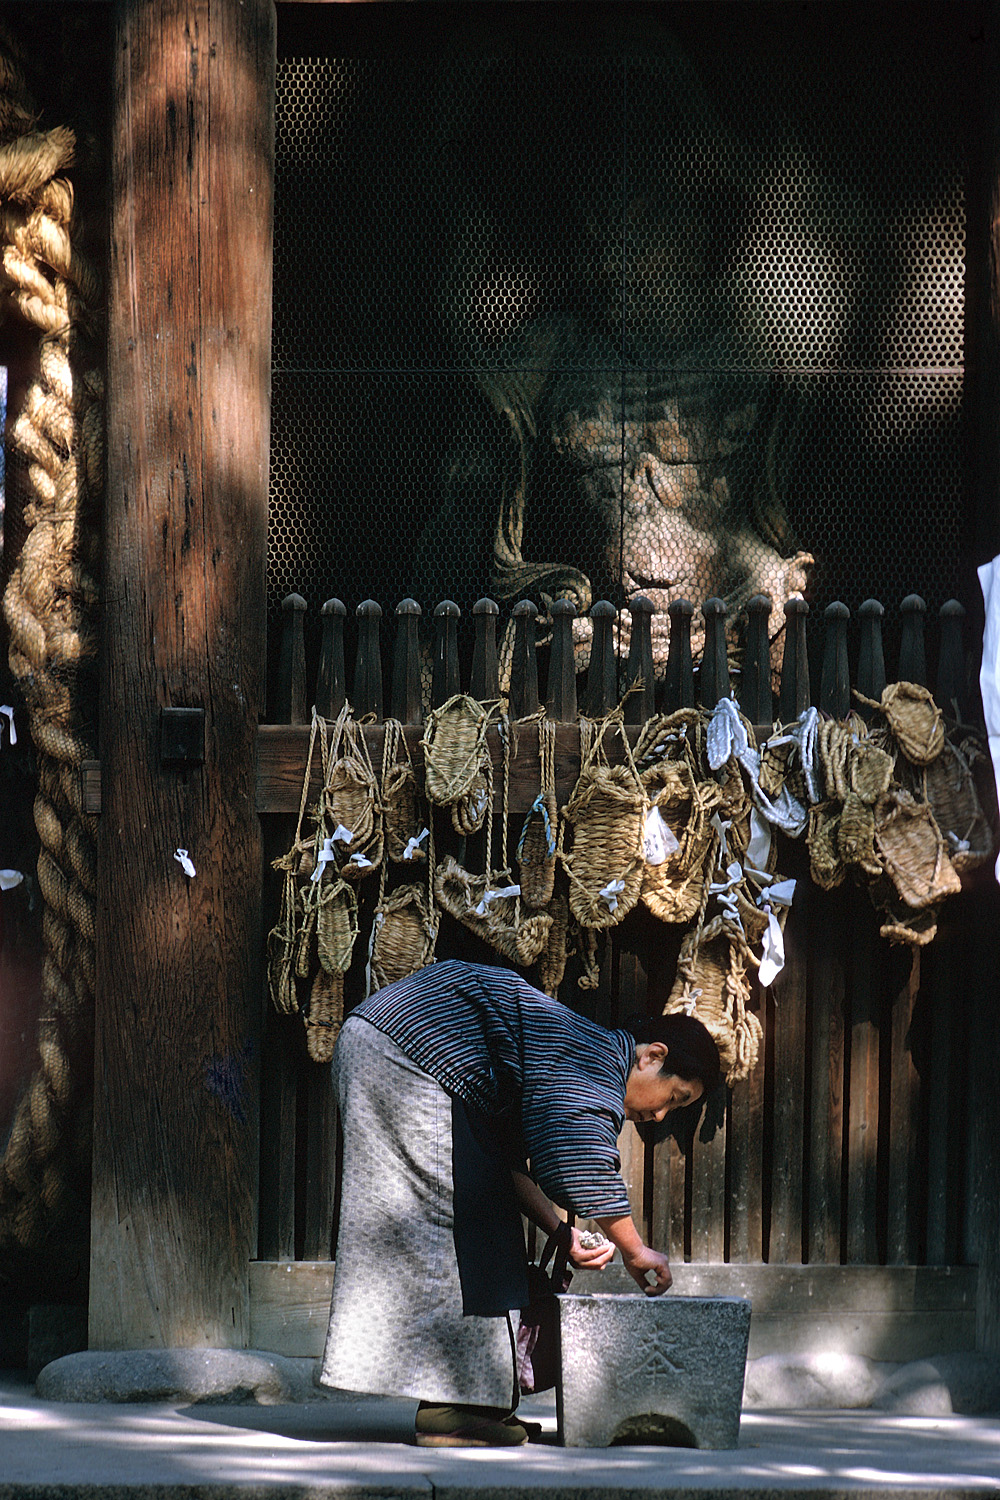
x=50 y=606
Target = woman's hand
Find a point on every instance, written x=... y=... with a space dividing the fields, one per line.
x=641 y=1262
x=639 y=1258
x=589 y=1257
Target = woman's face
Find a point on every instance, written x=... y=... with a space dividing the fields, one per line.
x=650 y=1094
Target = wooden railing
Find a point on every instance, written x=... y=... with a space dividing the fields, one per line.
x=282 y=743
x=850 y=1143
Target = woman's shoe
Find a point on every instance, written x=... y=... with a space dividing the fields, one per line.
x=466 y=1427
x=533 y=1429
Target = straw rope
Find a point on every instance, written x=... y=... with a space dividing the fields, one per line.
x=50 y=605
x=536 y=848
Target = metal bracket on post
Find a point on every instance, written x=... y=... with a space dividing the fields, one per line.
x=182 y=736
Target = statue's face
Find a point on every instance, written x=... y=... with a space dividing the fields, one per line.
x=659 y=480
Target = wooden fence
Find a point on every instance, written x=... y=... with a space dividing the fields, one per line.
x=852 y=1143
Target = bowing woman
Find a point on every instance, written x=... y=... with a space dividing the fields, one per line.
x=467 y=1098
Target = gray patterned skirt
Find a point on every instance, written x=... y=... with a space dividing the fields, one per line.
x=396 y=1322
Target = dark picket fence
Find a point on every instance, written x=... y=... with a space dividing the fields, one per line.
x=852 y=1142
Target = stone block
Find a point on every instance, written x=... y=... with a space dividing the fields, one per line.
x=665 y=1370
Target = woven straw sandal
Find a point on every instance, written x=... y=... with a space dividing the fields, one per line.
x=466 y=1427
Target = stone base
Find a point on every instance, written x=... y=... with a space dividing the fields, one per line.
x=638 y=1369
x=230 y=1376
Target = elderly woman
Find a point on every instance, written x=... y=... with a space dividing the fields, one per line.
x=467 y=1098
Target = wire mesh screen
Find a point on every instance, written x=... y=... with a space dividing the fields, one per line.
x=597 y=301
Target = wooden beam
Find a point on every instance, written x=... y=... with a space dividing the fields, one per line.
x=179 y=997
x=281 y=757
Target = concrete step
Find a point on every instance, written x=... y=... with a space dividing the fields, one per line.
x=361 y=1449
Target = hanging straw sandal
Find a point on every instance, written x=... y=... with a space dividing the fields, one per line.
x=536 y=847
x=606 y=813
x=457 y=770
x=311 y=945
x=490 y=905
x=912 y=850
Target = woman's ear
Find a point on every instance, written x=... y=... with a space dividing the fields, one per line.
x=654 y=1055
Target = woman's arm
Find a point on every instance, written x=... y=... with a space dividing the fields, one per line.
x=540 y=1211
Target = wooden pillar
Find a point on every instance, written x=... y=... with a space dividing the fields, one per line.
x=982 y=401
x=179 y=994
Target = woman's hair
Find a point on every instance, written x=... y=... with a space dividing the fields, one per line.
x=693 y=1053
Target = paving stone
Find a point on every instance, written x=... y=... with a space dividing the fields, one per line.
x=665 y=1370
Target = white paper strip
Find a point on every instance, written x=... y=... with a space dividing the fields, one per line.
x=611 y=892
x=488 y=896
x=659 y=840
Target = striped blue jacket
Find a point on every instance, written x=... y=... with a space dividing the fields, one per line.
x=511 y=1053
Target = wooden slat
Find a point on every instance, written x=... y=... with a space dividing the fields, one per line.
x=941 y=1198
x=830 y=933
x=282 y=749
x=321 y=1163
x=667 y=1220
x=290 y=1306
x=746 y=1154
x=905 y=1187
x=276 y=1192
x=789 y=1052
x=281 y=1061
x=863 y=1106
x=708 y=1195
x=630 y=983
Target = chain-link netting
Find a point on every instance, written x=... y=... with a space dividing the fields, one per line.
x=586 y=301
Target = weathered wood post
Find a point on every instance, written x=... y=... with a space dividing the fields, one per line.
x=290 y=706
x=524 y=664
x=366 y=696
x=485 y=680
x=756 y=698
x=835 y=681
x=794 y=695
x=179 y=991
x=680 y=670
x=407 y=705
x=912 y=652
x=331 y=679
x=713 y=679
x=561 y=701
x=871 y=657
x=445 y=682
x=950 y=689
x=602 y=674
x=641 y=705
